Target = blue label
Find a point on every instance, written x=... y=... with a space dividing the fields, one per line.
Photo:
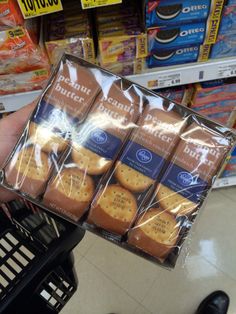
x=53 y=118
x=185 y=183
x=177 y=36
x=173 y=56
x=101 y=142
x=142 y=160
x=176 y=12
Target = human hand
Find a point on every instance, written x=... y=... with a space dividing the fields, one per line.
x=11 y=128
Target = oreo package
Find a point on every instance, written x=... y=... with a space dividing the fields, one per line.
x=167 y=57
x=162 y=12
x=176 y=36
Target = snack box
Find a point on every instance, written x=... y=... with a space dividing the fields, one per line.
x=10 y=14
x=69 y=31
x=97 y=149
x=228 y=20
x=169 y=37
x=165 y=13
x=174 y=56
x=23 y=82
x=224 y=47
x=18 y=52
x=121 y=34
x=125 y=68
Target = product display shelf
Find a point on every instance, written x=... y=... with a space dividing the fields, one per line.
x=186 y=73
x=225 y=182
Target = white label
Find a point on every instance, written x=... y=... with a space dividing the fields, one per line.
x=226 y=70
x=168 y=80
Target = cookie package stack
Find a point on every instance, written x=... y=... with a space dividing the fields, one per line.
x=181 y=31
x=23 y=63
x=117 y=159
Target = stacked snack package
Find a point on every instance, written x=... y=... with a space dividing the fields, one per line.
x=225 y=45
x=179 y=94
x=216 y=100
x=117 y=159
x=69 y=31
x=23 y=63
x=121 y=39
x=181 y=31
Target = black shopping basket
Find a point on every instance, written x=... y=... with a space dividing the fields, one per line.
x=36 y=264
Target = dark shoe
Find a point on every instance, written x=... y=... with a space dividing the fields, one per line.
x=215 y=303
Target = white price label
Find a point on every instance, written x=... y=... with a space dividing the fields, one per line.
x=168 y=80
x=227 y=70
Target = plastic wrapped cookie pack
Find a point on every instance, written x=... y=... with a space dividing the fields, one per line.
x=117 y=159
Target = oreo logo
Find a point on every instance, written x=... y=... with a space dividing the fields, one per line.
x=164 y=55
x=166 y=36
x=168 y=12
x=186 y=179
x=99 y=137
x=144 y=156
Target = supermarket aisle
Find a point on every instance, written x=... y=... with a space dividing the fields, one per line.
x=113 y=280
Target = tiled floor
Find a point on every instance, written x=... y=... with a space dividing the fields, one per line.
x=115 y=281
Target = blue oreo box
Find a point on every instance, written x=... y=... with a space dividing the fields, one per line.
x=163 y=12
x=176 y=36
x=173 y=56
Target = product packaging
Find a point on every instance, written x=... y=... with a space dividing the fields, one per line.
x=69 y=31
x=178 y=36
x=230 y=168
x=10 y=15
x=215 y=99
x=124 y=68
x=117 y=159
x=121 y=35
x=176 y=12
x=168 y=57
x=18 y=52
x=228 y=20
x=178 y=94
x=23 y=82
x=224 y=47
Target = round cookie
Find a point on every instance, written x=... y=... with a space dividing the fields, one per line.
x=173 y=202
x=114 y=209
x=28 y=171
x=70 y=193
x=48 y=140
x=132 y=179
x=156 y=233
x=88 y=161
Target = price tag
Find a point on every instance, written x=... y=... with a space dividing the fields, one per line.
x=33 y=8
x=87 y=4
x=227 y=70
x=165 y=81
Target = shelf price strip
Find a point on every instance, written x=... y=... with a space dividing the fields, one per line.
x=33 y=8
x=87 y=4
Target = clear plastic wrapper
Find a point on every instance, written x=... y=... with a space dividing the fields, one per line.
x=69 y=31
x=23 y=82
x=10 y=14
x=18 y=52
x=117 y=159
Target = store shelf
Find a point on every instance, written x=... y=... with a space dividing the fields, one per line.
x=152 y=79
x=14 y=102
x=186 y=73
x=225 y=182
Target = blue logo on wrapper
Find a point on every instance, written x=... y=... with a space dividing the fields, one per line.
x=144 y=156
x=186 y=179
x=99 y=137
